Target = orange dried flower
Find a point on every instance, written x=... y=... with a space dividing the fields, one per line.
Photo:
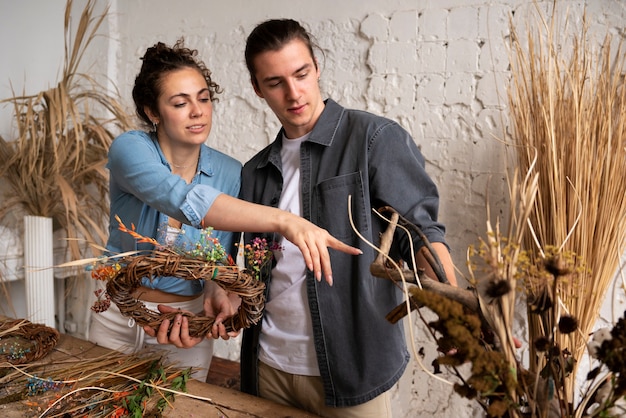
x=105 y=272
x=133 y=233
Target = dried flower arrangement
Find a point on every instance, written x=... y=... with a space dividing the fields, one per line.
x=259 y=254
x=476 y=327
x=126 y=385
x=568 y=108
x=205 y=259
x=566 y=234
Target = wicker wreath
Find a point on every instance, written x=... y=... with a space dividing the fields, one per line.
x=22 y=342
x=121 y=286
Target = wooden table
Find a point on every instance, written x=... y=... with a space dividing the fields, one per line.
x=224 y=402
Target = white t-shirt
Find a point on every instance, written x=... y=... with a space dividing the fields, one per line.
x=286 y=340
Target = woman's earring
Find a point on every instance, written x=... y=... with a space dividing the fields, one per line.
x=154 y=126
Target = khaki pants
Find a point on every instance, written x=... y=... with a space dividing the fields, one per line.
x=307 y=393
x=112 y=330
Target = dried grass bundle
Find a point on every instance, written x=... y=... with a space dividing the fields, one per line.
x=55 y=167
x=568 y=109
x=139 y=384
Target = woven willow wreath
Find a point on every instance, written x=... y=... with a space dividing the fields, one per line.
x=126 y=279
x=22 y=342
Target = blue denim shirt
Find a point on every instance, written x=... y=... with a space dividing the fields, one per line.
x=144 y=192
x=376 y=162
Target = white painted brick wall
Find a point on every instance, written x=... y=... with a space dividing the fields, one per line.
x=437 y=67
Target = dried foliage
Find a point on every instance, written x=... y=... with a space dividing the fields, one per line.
x=497 y=286
x=118 y=385
x=566 y=235
x=568 y=107
x=567 y=226
x=55 y=166
x=475 y=326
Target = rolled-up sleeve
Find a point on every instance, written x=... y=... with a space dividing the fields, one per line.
x=138 y=169
x=198 y=202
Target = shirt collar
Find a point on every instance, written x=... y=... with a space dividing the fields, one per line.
x=323 y=132
x=205 y=163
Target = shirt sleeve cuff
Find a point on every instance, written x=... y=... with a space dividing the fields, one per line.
x=198 y=202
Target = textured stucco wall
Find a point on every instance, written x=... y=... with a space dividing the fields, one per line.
x=438 y=67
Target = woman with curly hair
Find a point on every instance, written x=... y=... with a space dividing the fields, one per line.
x=169 y=184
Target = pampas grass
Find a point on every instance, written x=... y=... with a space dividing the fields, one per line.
x=568 y=109
x=55 y=166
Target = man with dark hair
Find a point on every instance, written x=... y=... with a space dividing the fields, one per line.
x=325 y=346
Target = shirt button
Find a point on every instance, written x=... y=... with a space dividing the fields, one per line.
x=274 y=201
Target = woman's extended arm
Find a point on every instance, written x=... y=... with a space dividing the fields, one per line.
x=232 y=214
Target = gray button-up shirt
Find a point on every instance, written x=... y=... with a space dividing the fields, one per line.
x=376 y=162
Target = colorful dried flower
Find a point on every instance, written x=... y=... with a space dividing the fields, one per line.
x=207 y=248
x=133 y=232
x=103 y=301
x=37 y=386
x=105 y=272
x=258 y=253
x=14 y=351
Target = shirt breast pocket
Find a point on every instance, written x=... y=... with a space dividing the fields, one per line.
x=333 y=205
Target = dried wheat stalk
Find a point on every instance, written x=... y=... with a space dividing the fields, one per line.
x=568 y=108
x=55 y=165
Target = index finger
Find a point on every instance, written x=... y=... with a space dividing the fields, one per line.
x=335 y=244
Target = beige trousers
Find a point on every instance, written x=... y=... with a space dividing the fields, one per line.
x=307 y=393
